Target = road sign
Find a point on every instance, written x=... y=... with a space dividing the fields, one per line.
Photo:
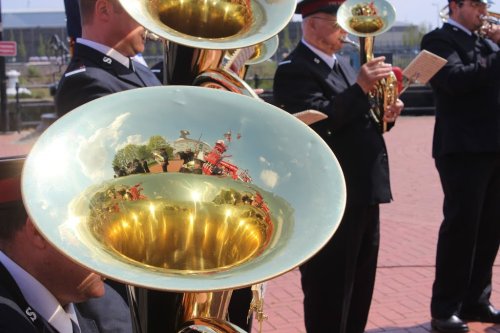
x=8 y=49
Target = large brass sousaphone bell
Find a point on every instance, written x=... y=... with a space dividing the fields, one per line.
x=252 y=203
x=197 y=33
x=216 y=24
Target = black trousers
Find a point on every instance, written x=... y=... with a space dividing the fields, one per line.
x=338 y=281
x=469 y=234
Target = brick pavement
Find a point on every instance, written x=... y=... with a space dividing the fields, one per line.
x=16 y=143
x=408 y=240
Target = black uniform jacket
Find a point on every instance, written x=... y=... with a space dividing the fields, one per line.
x=304 y=81
x=107 y=314
x=92 y=74
x=467 y=92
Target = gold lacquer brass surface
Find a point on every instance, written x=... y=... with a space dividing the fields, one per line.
x=366 y=24
x=206 y=19
x=365 y=18
x=214 y=24
x=165 y=232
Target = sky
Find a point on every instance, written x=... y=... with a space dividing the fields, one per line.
x=419 y=12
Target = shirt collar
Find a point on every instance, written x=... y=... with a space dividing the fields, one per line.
x=329 y=59
x=110 y=52
x=459 y=26
x=38 y=297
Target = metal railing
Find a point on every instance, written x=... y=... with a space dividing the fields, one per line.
x=33 y=112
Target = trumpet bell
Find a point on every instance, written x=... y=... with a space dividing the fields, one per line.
x=219 y=24
x=255 y=203
x=262 y=51
x=364 y=18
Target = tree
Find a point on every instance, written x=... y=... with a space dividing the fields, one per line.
x=42 y=49
x=287 y=43
x=413 y=36
x=127 y=154
x=141 y=152
x=156 y=142
x=21 y=47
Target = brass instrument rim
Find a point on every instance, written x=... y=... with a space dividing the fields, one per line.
x=269 y=46
x=270 y=18
x=386 y=12
x=47 y=196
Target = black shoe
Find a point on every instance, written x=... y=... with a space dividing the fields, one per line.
x=451 y=324
x=484 y=314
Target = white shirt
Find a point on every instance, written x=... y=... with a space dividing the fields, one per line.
x=110 y=52
x=329 y=59
x=40 y=299
x=459 y=26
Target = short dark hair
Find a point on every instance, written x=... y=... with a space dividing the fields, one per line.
x=13 y=217
x=86 y=10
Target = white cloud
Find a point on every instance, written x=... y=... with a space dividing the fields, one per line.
x=94 y=153
x=269 y=177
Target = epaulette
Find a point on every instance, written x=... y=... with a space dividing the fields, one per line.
x=76 y=71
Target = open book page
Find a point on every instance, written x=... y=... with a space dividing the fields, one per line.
x=423 y=67
x=310 y=116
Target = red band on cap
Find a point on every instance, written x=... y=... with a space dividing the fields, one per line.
x=312 y=7
x=10 y=190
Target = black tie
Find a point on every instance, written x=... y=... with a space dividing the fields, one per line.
x=131 y=66
x=336 y=67
x=76 y=329
x=338 y=72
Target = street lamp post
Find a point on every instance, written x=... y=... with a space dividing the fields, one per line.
x=4 y=113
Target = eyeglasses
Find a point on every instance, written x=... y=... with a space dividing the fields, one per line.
x=333 y=22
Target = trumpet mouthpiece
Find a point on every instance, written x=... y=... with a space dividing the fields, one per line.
x=347 y=40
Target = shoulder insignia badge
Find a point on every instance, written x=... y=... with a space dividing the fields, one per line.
x=76 y=71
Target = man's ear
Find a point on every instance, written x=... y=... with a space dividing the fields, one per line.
x=102 y=9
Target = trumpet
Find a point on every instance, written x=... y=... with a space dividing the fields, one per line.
x=367 y=20
x=488 y=21
x=492 y=18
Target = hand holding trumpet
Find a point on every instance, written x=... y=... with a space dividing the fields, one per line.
x=491 y=31
x=371 y=72
x=393 y=111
